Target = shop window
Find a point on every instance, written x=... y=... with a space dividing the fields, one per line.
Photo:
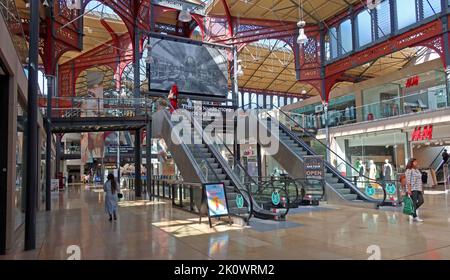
x=364 y=22
x=368 y=154
x=381 y=102
x=406 y=13
x=383 y=27
x=345 y=30
x=427 y=94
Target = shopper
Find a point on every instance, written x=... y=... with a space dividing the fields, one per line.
x=111 y=189
x=414 y=186
x=445 y=156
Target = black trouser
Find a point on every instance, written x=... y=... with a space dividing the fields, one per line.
x=417 y=198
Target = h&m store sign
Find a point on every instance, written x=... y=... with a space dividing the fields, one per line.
x=422 y=133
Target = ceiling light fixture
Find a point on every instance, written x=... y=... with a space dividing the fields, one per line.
x=302 y=38
x=240 y=71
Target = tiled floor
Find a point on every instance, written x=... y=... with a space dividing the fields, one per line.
x=156 y=230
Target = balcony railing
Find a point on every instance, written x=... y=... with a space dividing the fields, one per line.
x=422 y=101
x=81 y=107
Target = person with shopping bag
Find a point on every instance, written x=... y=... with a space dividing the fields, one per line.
x=414 y=189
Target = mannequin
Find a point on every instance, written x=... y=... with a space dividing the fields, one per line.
x=360 y=166
x=387 y=170
x=276 y=172
x=372 y=170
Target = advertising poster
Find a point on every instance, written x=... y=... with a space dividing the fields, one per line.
x=197 y=70
x=216 y=199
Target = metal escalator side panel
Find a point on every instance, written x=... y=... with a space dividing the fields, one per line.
x=260 y=212
x=331 y=169
x=285 y=156
x=162 y=127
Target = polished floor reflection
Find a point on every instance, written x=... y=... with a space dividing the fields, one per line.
x=155 y=230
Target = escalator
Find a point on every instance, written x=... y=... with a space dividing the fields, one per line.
x=200 y=162
x=438 y=166
x=293 y=149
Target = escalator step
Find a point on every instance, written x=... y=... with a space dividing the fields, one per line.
x=332 y=180
x=350 y=196
x=218 y=170
x=198 y=145
x=344 y=191
x=338 y=185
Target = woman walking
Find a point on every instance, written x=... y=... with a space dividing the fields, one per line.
x=414 y=186
x=111 y=189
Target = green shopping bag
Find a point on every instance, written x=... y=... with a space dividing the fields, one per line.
x=408 y=205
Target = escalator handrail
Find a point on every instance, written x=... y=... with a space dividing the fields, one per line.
x=236 y=162
x=280 y=188
x=196 y=126
x=330 y=167
x=225 y=166
x=284 y=180
x=188 y=152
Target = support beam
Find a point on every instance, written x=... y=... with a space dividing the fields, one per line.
x=137 y=164
x=229 y=18
x=48 y=146
x=32 y=127
x=259 y=161
x=137 y=94
x=446 y=45
x=148 y=157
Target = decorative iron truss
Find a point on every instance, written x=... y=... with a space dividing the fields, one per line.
x=216 y=29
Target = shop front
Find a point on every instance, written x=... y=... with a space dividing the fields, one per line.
x=427 y=145
x=378 y=156
x=411 y=94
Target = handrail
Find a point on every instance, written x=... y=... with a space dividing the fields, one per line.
x=280 y=188
x=314 y=137
x=236 y=162
x=195 y=124
x=324 y=145
x=240 y=187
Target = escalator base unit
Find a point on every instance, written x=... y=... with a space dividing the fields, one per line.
x=280 y=211
x=307 y=202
